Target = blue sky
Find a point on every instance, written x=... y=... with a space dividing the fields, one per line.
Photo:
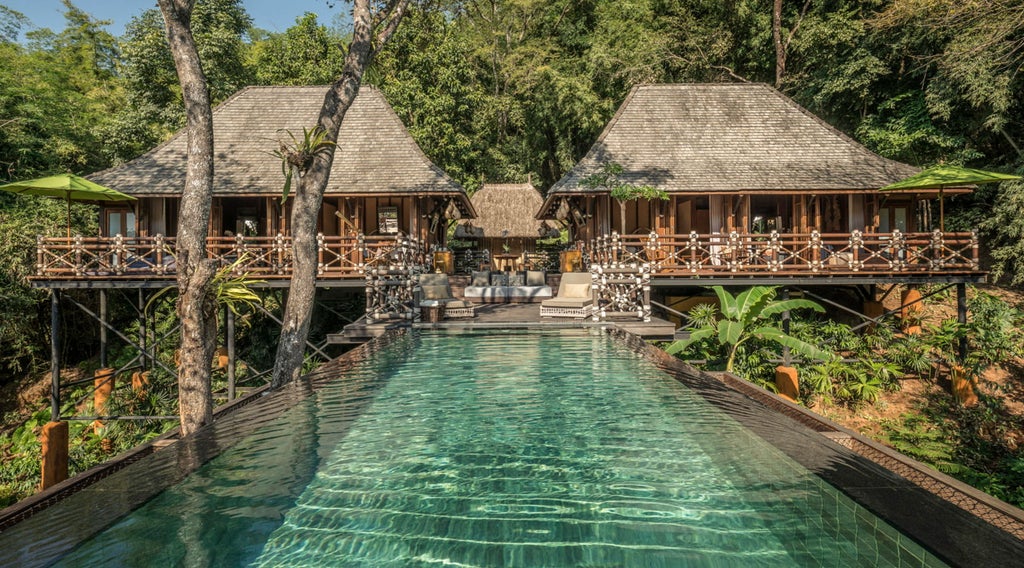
x=272 y=15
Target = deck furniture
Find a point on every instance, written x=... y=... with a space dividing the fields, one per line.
x=435 y=289
x=575 y=297
x=495 y=287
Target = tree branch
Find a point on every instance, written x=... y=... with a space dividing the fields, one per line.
x=394 y=13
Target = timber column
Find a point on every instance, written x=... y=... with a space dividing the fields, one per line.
x=55 y=433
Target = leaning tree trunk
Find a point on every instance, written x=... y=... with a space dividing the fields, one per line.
x=196 y=305
x=309 y=195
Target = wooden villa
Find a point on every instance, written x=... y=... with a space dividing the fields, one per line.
x=382 y=189
x=506 y=225
x=759 y=189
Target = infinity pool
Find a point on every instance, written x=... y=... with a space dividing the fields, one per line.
x=507 y=449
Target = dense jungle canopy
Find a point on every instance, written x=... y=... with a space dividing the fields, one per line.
x=500 y=90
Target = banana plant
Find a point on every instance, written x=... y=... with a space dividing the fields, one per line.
x=749 y=315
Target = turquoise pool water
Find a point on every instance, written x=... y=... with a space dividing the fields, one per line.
x=508 y=449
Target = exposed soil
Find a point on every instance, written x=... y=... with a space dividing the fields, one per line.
x=1006 y=383
x=20 y=398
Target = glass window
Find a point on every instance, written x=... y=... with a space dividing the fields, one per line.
x=387 y=220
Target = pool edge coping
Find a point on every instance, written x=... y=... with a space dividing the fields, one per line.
x=38 y=502
x=972 y=500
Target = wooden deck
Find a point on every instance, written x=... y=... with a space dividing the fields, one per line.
x=507 y=316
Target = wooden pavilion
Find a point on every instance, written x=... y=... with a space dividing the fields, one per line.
x=759 y=188
x=382 y=187
x=506 y=220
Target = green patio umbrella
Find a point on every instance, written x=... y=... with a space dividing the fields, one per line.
x=68 y=187
x=943 y=176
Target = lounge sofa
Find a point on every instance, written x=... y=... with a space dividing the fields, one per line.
x=497 y=288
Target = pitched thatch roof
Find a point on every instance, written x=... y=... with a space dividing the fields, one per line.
x=375 y=153
x=729 y=138
x=506 y=207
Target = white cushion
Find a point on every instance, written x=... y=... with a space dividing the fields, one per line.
x=485 y=292
x=529 y=291
x=571 y=290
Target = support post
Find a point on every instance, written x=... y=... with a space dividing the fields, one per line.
x=55 y=454
x=142 y=330
x=230 y=339
x=961 y=317
x=103 y=328
x=55 y=356
x=785 y=327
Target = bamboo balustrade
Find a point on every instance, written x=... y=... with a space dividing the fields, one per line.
x=340 y=257
x=143 y=258
x=746 y=254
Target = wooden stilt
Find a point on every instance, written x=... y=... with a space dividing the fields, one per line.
x=142 y=329
x=961 y=317
x=784 y=293
x=55 y=356
x=103 y=328
x=55 y=454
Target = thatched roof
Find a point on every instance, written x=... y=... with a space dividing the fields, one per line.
x=506 y=207
x=705 y=138
x=375 y=153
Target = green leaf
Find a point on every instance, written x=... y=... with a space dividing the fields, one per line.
x=795 y=304
x=695 y=336
x=797 y=345
x=751 y=302
x=287 y=185
x=729 y=332
x=726 y=303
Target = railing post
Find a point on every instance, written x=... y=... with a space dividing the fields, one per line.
x=815 y=263
x=694 y=247
x=118 y=253
x=320 y=268
x=974 y=249
x=40 y=255
x=856 y=242
x=774 y=251
x=158 y=254
x=735 y=245
x=77 y=255
x=937 y=259
x=361 y=253
x=899 y=250
x=279 y=249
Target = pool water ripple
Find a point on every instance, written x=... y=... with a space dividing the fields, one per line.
x=554 y=449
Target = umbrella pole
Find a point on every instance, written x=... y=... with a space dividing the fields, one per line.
x=69 y=218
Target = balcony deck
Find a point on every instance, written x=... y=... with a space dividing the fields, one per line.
x=850 y=258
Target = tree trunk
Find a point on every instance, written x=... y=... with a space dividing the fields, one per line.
x=780 y=49
x=196 y=306
x=312 y=183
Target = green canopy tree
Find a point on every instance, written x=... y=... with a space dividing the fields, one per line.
x=748 y=316
x=219 y=28
x=305 y=54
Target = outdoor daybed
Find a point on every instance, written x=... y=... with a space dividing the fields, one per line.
x=575 y=297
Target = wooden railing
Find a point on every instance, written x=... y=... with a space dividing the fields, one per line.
x=787 y=254
x=259 y=257
x=736 y=254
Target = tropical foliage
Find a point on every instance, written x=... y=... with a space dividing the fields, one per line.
x=750 y=316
